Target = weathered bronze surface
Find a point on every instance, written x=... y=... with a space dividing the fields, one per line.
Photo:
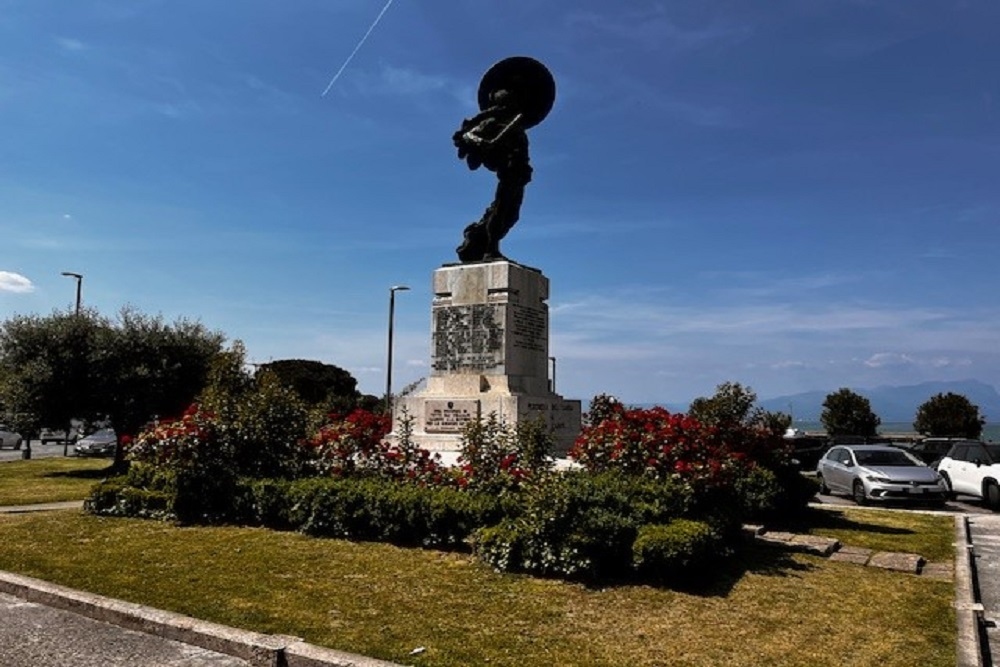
x=514 y=95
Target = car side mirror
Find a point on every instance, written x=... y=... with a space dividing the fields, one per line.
x=978 y=462
x=847 y=462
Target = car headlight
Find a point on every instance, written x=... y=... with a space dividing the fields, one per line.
x=877 y=479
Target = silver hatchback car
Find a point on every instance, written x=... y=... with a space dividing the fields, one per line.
x=879 y=473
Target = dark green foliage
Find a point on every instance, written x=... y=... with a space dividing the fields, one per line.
x=949 y=415
x=848 y=413
x=373 y=509
x=764 y=494
x=316 y=383
x=579 y=525
x=116 y=497
x=664 y=551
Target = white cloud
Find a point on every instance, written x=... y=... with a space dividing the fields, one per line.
x=882 y=359
x=15 y=282
x=70 y=44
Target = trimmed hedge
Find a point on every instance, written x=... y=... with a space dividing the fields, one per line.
x=581 y=526
x=662 y=551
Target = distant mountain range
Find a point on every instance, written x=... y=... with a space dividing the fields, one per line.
x=892 y=404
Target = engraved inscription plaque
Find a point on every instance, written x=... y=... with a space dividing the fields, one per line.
x=529 y=328
x=449 y=416
x=468 y=338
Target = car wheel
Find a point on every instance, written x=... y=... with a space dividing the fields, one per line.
x=859 y=493
x=823 y=488
x=949 y=493
x=991 y=495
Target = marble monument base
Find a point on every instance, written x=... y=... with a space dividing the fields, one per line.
x=490 y=355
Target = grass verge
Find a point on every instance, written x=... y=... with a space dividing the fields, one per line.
x=48 y=480
x=929 y=535
x=375 y=599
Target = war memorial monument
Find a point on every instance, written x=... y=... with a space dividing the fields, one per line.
x=489 y=316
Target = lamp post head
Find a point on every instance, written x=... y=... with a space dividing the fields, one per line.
x=399 y=288
x=70 y=274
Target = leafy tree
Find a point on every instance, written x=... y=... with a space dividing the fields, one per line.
x=949 y=415
x=83 y=366
x=734 y=406
x=147 y=368
x=317 y=383
x=848 y=413
x=47 y=369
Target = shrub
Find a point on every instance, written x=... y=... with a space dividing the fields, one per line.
x=115 y=497
x=664 y=551
x=373 y=509
x=657 y=444
x=579 y=525
x=496 y=456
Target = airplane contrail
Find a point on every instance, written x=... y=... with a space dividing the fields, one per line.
x=356 y=48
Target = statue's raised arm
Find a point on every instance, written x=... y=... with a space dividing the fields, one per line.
x=514 y=95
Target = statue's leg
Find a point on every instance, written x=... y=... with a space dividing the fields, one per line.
x=506 y=210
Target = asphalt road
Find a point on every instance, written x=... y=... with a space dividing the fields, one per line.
x=38 y=451
x=985 y=533
x=33 y=635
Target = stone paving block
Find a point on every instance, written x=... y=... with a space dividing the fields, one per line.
x=777 y=536
x=814 y=544
x=849 y=554
x=942 y=571
x=900 y=562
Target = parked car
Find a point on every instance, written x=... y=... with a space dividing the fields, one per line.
x=973 y=468
x=928 y=450
x=806 y=449
x=879 y=473
x=60 y=435
x=9 y=439
x=99 y=443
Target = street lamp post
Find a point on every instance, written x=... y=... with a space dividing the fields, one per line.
x=79 y=284
x=388 y=365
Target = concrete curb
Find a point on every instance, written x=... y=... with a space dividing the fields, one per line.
x=257 y=649
x=968 y=610
x=42 y=507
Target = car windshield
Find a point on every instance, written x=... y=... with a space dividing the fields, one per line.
x=883 y=457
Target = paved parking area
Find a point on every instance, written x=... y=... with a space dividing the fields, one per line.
x=33 y=635
x=985 y=533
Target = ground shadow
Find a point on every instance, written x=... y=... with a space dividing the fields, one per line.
x=96 y=473
x=812 y=518
x=720 y=577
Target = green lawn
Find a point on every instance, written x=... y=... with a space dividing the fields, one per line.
x=929 y=535
x=766 y=608
x=48 y=480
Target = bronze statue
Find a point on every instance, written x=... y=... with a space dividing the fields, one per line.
x=515 y=95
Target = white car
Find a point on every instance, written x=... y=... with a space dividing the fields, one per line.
x=972 y=468
x=9 y=439
x=880 y=473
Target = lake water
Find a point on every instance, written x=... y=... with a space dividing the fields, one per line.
x=991 y=431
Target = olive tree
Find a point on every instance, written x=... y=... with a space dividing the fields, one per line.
x=148 y=368
x=735 y=406
x=949 y=415
x=848 y=413
x=47 y=369
x=128 y=371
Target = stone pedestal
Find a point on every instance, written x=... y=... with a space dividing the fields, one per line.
x=490 y=354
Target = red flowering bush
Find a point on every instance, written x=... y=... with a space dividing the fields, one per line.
x=498 y=456
x=185 y=442
x=657 y=444
x=354 y=444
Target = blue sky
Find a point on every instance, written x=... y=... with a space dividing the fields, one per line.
x=794 y=195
